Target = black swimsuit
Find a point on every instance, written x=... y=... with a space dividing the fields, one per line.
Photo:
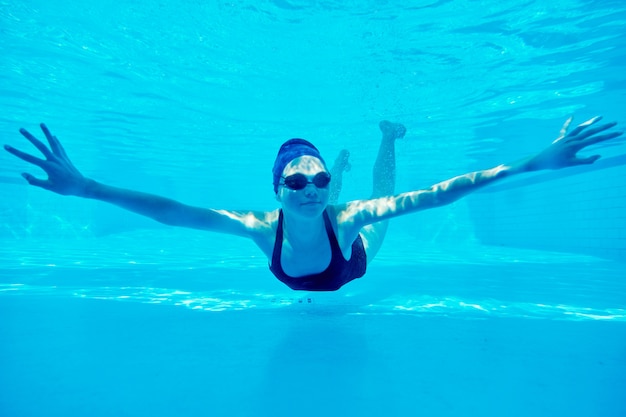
x=338 y=273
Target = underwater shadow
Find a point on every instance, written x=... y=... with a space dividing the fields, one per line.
x=323 y=365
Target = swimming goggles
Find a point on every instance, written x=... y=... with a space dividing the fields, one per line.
x=300 y=181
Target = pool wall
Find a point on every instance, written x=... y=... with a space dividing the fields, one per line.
x=581 y=210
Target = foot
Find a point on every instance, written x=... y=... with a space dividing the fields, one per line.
x=392 y=130
x=341 y=163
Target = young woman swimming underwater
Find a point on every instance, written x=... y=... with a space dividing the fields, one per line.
x=311 y=242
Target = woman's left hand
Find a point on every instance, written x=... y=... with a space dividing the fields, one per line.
x=563 y=151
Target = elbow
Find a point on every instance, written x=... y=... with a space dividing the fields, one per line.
x=166 y=220
x=170 y=214
x=444 y=198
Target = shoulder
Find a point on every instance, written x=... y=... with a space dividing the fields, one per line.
x=261 y=222
x=262 y=229
x=351 y=213
x=343 y=221
x=345 y=226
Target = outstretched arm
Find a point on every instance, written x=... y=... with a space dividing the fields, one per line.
x=64 y=178
x=561 y=153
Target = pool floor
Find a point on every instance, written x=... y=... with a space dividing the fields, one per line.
x=63 y=356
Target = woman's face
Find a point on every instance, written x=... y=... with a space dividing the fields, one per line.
x=311 y=201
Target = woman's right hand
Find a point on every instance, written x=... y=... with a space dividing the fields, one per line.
x=63 y=177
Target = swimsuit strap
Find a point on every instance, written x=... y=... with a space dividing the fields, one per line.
x=334 y=244
x=278 y=243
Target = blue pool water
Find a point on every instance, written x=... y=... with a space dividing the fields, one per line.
x=511 y=302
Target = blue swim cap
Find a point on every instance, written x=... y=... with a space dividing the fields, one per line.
x=290 y=150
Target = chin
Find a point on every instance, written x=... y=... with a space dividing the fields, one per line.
x=311 y=210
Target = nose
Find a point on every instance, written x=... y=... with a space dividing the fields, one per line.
x=310 y=190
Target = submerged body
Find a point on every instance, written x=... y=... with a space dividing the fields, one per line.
x=311 y=243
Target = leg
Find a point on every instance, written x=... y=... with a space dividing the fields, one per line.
x=336 y=172
x=384 y=175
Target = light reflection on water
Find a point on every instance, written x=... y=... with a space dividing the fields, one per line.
x=191 y=270
x=424 y=305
